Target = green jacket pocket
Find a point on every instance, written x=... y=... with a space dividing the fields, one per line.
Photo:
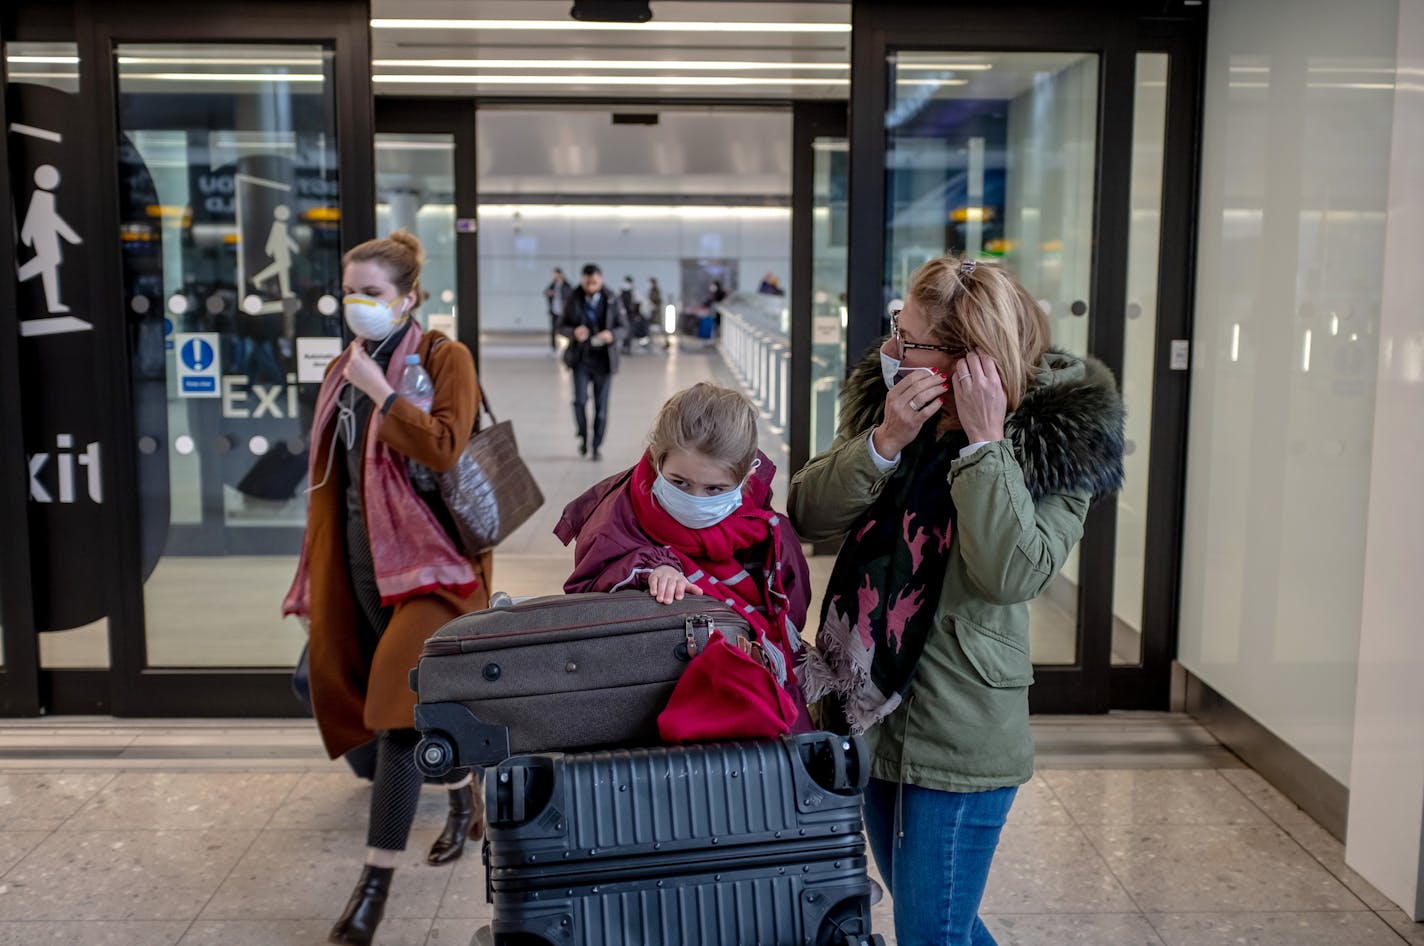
x=999 y=661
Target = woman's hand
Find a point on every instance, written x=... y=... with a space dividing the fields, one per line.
x=910 y=403
x=667 y=583
x=367 y=376
x=979 y=398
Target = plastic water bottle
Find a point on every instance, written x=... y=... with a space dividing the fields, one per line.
x=415 y=384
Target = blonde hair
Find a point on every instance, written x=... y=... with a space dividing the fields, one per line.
x=980 y=306
x=716 y=422
x=402 y=256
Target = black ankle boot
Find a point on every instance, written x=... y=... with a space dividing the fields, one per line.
x=464 y=821
x=358 y=922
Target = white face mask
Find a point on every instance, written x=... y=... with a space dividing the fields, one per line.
x=889 y=367
x=370 y=318
x=698 y=512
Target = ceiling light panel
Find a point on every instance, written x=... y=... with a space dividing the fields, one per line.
x=401 y=79
x=631 y=65
x=656 y=26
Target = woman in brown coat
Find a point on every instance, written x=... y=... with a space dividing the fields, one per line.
x=380 y=570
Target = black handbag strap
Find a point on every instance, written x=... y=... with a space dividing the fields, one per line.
x=484 y=399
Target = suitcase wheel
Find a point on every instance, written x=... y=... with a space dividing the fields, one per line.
x=434 y=755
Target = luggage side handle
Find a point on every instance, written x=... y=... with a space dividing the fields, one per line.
x=827 y=767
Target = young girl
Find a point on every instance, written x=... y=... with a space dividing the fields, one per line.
x=694 y=516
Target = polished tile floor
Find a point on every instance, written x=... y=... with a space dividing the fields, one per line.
x=1139 y=830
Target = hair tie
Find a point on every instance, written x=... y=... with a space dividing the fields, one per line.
x=967 y=266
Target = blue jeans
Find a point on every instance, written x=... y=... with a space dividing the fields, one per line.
x=936 y=873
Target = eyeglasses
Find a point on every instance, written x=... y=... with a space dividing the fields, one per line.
x=955 y=351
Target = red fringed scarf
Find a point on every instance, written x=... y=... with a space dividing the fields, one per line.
x=713 y=558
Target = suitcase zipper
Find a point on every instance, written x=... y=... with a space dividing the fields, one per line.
x=518 y=878
x=446 y=646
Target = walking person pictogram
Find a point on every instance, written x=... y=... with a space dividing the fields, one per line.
x=42 y=230
x=280 y=247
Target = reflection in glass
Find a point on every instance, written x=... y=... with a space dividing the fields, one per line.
x=415 y=191
x=830 y=173
x=993 y=155
x=230 y=240
x=1139 y=359
x=50 y=64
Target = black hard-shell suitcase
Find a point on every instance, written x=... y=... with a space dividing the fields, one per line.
x=713 y=845
x=557 y=672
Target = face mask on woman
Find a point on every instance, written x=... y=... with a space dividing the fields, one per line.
x=889 y=367
x=698 y=512
x=370 y=318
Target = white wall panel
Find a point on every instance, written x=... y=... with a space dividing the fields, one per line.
x=1285 y=353
x=1385 y=842
x=769 y=236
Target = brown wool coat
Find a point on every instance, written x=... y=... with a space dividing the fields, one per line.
x=354 y=695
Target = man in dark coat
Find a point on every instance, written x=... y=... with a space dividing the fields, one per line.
x=595 y=324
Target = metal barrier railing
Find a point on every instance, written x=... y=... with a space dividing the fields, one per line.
x=760 y=358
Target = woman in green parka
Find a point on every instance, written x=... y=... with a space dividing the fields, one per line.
x=967 y=456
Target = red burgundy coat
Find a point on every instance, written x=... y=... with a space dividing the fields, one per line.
x=613 y=551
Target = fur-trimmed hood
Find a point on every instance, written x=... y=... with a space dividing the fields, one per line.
x=1067 y=433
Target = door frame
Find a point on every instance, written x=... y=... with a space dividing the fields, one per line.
x=456 y=117
x=1116 y=32
x=809 y=121
x=129 y=687
x=19 y=677
x=1148 y=686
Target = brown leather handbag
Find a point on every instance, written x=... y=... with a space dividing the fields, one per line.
x=490 y=492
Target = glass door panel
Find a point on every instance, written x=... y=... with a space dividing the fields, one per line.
x=230 y=240
x=415 y=191
x=1149 y=129
x=994 y=155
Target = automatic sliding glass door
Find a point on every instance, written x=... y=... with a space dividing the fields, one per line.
x=993 y=155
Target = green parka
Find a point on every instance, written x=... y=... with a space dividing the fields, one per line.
x=1020 y=503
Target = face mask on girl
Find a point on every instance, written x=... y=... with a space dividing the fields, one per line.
x=370 y=318
x=698 y=512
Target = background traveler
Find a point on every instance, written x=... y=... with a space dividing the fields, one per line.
x=594 y=323
x=369 y=524
x=556 y=294
x=633 y=306
x=655 y=308
x=964 y=487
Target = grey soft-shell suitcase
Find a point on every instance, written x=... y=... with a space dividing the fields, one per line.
x=557 y=672
x=712 y=845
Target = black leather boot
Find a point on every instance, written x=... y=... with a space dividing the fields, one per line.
x=357 y=926
x=466 y=820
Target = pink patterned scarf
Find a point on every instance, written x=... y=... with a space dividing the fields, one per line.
x=412 y=553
